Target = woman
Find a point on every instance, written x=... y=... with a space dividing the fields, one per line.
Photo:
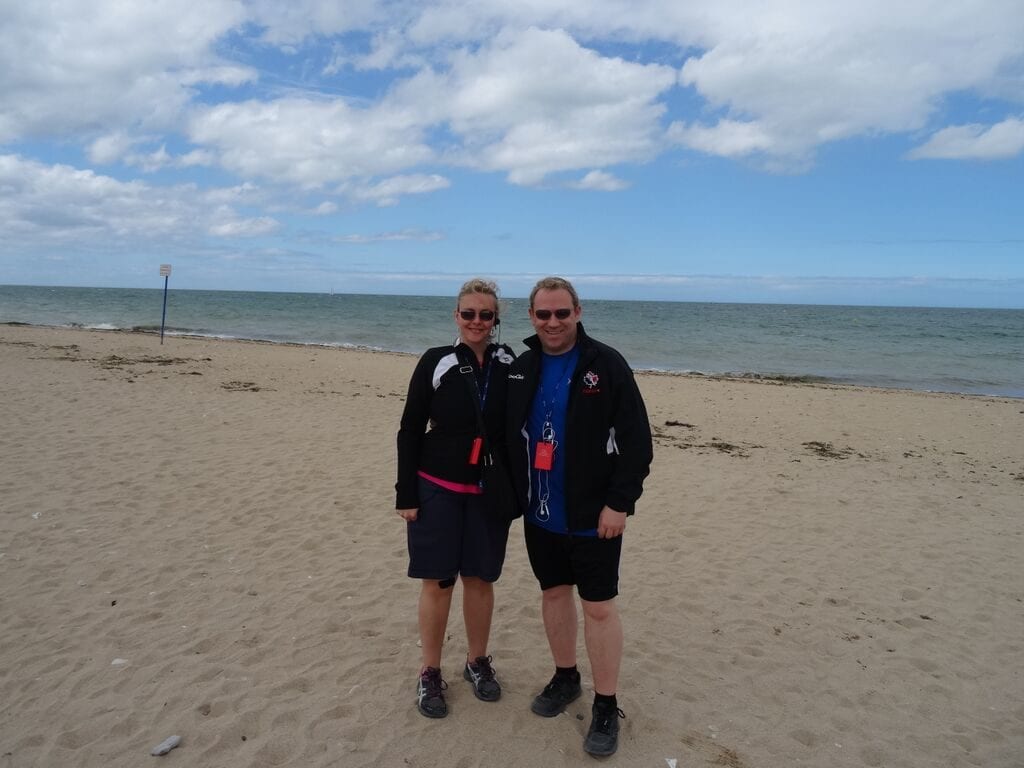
x=458 y=392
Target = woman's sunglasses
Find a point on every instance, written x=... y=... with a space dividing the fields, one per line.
x=545 y=314
x=469 y=315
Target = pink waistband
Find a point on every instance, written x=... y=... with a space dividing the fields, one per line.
x=448 y=485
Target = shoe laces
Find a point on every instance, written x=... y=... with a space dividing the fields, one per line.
x=432 y=681
x=482 y=667
x=604 y=716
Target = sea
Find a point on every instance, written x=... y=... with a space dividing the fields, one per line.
x=968 y=351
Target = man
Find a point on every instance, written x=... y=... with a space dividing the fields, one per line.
x=579 y=449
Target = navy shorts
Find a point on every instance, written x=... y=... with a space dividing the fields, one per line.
x=592 y=564
x=455 y=534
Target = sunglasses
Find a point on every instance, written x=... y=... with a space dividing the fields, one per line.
x=545 y=314
x=469 y=315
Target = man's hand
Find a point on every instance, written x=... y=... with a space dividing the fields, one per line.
x=409 y=515
x=611 y=523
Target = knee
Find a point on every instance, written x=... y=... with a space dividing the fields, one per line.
x=600 y=612
x=476 y=585
x=557 y=595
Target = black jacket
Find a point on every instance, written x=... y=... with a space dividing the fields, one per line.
x=440 y=396
x=608 y=449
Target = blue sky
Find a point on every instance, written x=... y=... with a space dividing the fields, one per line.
x=803 y=151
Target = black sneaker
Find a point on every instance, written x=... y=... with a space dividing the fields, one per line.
x=603 y=737
x=430 y=693
x=481 y=674
x=557 y=695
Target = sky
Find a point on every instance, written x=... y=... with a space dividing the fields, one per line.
x=796 y=151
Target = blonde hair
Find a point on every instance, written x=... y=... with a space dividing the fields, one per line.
x=479 y=285
x=555 y=284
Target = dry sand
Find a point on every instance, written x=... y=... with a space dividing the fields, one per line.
x=198 y=539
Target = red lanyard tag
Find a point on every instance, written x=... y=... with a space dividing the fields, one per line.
x=544 y=456
x=474 y=451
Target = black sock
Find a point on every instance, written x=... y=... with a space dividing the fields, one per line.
x=606 y=701
x=567 y=671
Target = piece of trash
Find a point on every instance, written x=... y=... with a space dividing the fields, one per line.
x=118 y=662
x=35 y=515
x=165 y=746
x=671 y=762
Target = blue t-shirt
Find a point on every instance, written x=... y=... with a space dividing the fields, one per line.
x=547 y=418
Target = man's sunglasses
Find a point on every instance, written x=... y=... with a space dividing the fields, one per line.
x=545 y=314
x=469 y=315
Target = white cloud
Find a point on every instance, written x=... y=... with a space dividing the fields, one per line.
x=521 y=89
x=389 y=190
x=326 y=208
x=388 y=50
x=975 y=142
x=150 y=162
x=46 y=205
x=227 y=224
x=535 y=102
x=196 y=157
x=729 y=138
x=309 y=142
x=109 y=148
x=242 y=194
x=802 y=74
x=290 y=23
x=74 y=68
x=120 y=147
x=599 y=181
x=423 y=236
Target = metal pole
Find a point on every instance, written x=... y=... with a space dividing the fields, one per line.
x=163 y=317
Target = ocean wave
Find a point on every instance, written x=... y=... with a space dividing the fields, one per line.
x=789 y=378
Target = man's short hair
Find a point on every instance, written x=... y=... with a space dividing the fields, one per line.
x=555 y=284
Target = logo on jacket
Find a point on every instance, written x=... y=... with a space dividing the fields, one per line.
x=590 y=380
x=503 y=356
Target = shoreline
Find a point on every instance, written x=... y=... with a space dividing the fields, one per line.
x=752 y=377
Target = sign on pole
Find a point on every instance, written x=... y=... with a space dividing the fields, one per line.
x=165 y=273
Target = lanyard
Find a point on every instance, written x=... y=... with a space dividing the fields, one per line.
x=470 y=369
x=549 y=409
x=487 y=383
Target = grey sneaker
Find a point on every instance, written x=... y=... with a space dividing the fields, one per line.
x=430 y=693
x=557 y=695
x=481 y=674
x=603 y=737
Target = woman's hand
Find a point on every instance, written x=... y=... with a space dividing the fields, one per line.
x=409 y=515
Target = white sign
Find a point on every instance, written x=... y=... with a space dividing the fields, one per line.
x=165 y=270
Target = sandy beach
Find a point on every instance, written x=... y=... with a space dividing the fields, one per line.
x=198 y=538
